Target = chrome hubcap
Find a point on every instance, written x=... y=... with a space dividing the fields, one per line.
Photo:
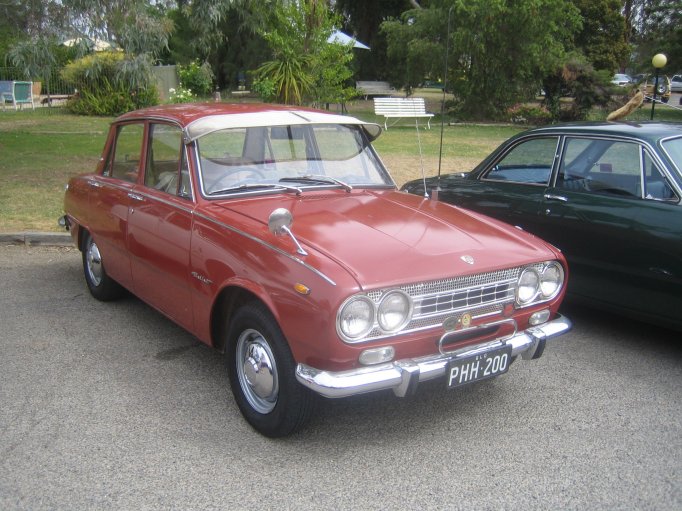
x=93 y=261
x=257 y=371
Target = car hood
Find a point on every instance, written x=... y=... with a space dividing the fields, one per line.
x=386 y=238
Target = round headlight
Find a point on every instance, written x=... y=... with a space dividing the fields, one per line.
x=551 y=280
x=527 y=286
x=356 y=317
x=394 y=311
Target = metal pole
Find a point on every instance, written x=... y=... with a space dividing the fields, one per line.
x=653 y=102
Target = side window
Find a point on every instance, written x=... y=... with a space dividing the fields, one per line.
x=655 y=185
x=166 y=164
x=528 y=162
x=601 y=166
x=124 y=162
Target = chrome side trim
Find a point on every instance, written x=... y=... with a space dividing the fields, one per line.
x=221 y=224
x=267 y=245
x=402 y=376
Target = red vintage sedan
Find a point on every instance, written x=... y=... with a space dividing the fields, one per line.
x=276 y=235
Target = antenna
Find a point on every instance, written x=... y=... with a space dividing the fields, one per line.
x=421 y=158
x=442 y=106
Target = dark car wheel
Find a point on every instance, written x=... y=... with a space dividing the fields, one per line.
x=262 y=374
x=101 y=286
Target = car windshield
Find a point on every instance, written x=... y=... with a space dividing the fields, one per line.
x=265 y=158
x=673 y=147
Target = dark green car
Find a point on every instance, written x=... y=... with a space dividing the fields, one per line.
x=607 y=194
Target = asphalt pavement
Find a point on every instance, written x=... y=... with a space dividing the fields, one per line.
x=112 y=406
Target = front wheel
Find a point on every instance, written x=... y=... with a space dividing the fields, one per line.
x=261 y=369
x=99 y=283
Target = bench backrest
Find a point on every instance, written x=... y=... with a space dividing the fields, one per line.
x=23 y=92
x=398 y=106
x=5 y=86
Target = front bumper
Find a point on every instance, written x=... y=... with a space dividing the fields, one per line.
x=403 y=376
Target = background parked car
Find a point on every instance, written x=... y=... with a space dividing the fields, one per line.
x=676 y=83
x=662 y=91
x=607 y=194
x=621 y=80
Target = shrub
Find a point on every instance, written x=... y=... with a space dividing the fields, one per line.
x=181 y=95
x=265 y=88
x=197 y=78
x=529 y=114
x=109 y=84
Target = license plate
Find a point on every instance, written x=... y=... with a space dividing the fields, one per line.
x=478 y=367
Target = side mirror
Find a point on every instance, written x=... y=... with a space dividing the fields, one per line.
x=279 y=222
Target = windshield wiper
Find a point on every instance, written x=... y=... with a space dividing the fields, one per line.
x=256 y=186
x=317 y=178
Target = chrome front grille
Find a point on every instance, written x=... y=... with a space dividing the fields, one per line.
x=483 y=294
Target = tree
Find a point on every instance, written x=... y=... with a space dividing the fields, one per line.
x=499 y=50
x=603 y=36
x=305 y=67
x=656 y=27
x=363 y=20
x=26 y=20
x=35 y=58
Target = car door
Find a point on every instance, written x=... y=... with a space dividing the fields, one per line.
x=110 y=200
x=657 y=245
x=590 y=213
x=512 y=187
x=160 y=223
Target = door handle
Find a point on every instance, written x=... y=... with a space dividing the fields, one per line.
x=551 y=196
x=95 y=184
x=136 y=197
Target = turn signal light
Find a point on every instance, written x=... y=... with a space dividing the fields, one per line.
x=377 y=355
x=537 y=318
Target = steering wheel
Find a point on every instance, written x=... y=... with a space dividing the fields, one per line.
x=224 y=180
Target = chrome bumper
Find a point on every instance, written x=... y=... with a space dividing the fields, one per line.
x=403 y=376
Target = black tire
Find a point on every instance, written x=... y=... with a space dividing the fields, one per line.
x=101 y=286
x=262 y=369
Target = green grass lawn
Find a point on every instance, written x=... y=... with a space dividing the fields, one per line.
x=39 y=152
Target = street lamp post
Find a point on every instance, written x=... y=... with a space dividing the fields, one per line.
x=658 y=61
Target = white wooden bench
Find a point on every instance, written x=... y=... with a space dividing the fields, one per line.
x=399 y=108
x=369 y=88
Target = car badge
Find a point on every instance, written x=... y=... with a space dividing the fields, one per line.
x=467 y=259
x=450 y=324
x=465 y=320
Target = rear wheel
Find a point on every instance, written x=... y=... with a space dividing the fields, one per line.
x=99 y=283
x=262 y=374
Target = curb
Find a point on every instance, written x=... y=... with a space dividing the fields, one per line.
x=43 y=239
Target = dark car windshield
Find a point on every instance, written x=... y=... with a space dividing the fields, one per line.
x=303 y=156
x=673 y=147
